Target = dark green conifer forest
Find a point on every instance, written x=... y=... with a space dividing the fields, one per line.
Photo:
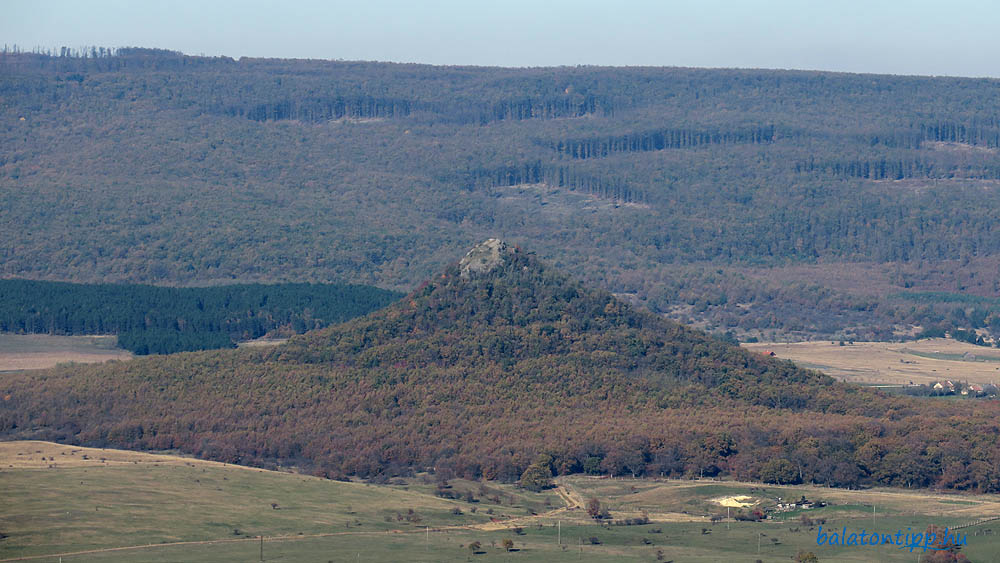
x=162 y=320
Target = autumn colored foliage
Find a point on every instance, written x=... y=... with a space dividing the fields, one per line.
x=477 y=377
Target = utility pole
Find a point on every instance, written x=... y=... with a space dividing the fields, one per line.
x=727 y=518
x=758 y=543
x=262 y=548
x=559 y=524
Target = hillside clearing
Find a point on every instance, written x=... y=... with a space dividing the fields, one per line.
x=40 y=351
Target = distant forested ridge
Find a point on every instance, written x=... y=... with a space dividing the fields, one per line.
x=477 y=374
x=727 y=197
x=162 y=320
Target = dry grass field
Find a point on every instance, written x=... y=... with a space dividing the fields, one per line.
x=67 y=499
x=79 y=504
x=32 y=454
x=921 y=361
x=39 y=351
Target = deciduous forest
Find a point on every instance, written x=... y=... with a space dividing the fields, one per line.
x=735 y=199
x=477 y=375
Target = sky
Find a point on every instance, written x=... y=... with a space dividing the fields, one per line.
x=953 y=37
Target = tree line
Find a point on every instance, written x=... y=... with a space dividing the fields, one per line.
x=661 y=140
x=555 y=176
x=162 y=320
x=331 y=107
x=888 y=169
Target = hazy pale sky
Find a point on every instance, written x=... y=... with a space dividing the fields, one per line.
x=946 y=37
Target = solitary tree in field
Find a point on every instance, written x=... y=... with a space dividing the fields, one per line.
x=594 y=508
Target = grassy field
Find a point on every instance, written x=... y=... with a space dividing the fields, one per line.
x=921 y=361
x=82 y=504
x=39 y=351
x=64 y=499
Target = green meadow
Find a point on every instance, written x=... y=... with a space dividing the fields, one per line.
x=80 y=504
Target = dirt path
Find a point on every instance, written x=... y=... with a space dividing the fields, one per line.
x=493 y=526
x=572 y=499
x=516 y=522
x=573 y=511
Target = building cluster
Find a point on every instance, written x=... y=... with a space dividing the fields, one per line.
x=948 y=387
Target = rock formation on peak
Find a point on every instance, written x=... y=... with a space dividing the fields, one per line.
x=483 y=257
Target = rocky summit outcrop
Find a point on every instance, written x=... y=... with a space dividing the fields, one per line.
x=483 y=258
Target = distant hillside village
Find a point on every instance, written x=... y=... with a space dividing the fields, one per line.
x=948 y=387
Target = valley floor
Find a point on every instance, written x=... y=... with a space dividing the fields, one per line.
x=86 y=504
x=897 y=363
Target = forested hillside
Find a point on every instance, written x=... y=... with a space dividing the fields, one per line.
x=499 y=359
x=163 y=320
x=725 y=197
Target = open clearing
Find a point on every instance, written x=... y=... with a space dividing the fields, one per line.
x=920 y=361
x=39 y=351
x=65 y=499
x=734 y=502
x=130 y=506
x=262 y=342
x=699 y=499
x=557 y=201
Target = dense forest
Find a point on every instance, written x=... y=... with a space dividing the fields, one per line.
x=163 y=320
x=483 y=368
x=736 y=199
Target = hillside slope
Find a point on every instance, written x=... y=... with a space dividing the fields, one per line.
x=478 y=372
x=694 y=191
